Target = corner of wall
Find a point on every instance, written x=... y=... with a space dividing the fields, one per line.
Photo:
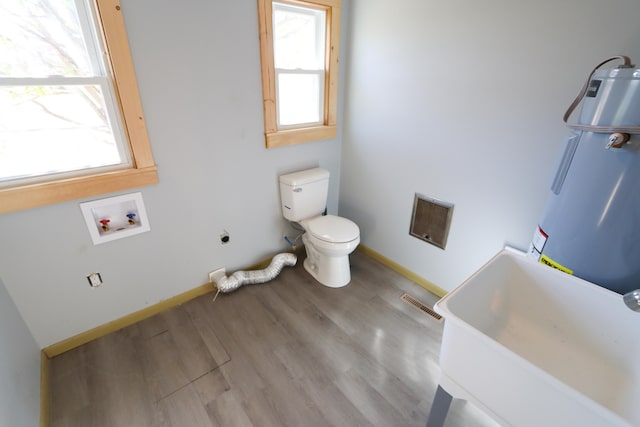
x=45 y=392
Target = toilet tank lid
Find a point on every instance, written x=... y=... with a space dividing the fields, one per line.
x=304 y=177
x=335 y=229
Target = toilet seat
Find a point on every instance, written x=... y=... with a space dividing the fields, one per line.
x=333 y=229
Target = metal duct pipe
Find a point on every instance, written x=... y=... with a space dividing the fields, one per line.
x=239 y=278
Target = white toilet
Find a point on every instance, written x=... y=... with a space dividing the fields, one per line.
x=328 y=239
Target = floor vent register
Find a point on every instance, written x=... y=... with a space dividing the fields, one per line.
x=420 y=306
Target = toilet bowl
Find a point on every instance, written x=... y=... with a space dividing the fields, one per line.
x=328 y=241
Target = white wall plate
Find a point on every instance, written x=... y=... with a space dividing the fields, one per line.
x=117 y=211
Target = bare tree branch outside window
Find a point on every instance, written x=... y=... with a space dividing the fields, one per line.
x=53 y=115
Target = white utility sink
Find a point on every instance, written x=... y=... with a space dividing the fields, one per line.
x=533 y=346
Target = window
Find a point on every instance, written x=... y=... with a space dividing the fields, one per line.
x=71 y=122
x=299 y=43
x=298 y=57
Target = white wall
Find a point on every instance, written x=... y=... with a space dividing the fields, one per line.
x=19 y=368
x=198 y=68
x=463 y=100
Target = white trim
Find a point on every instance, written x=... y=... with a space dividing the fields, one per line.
x=319 y=72
x=34 y=179
x=93 y=46
x=53 y=81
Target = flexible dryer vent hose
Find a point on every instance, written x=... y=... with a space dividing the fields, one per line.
x=239 y=278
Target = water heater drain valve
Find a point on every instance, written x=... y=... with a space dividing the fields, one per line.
x=617 y=140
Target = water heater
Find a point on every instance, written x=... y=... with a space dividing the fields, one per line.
x=591 y=223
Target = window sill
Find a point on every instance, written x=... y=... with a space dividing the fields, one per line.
x=46 y=193
x=297 y=136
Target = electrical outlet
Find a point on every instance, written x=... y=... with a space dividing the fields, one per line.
x=216 y=275
x=95 y=280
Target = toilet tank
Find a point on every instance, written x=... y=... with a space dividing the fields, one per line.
x=304 y=194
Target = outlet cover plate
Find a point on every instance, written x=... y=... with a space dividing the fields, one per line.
x=94 y=280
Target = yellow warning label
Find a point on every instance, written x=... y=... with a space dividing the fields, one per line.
x=551 y=263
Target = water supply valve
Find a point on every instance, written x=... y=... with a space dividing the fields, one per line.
x=617 y=140
x=131 y=217
x=105 y=224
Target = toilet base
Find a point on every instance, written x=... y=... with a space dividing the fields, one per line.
x=331 y=271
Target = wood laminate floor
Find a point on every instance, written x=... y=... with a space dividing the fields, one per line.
x=287 y=353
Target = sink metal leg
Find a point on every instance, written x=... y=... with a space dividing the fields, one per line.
x=439 y=408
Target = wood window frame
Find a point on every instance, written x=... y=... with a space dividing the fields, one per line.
x=279 y=138
x=142 y=171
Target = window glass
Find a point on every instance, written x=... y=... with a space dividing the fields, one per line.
x=299 y=96
x=53 y=129
x=57 y=106
x=298 y=37
x=41 y=38
x=299 y=52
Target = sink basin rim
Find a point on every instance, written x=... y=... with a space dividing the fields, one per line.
x=442 y=308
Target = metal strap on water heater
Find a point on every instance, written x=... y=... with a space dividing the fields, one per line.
x=599 y=129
